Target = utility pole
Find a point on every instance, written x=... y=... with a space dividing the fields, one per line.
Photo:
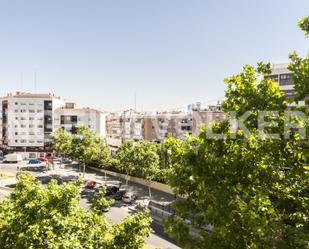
x=135 y=101
x=21 y=81
x=35 y=89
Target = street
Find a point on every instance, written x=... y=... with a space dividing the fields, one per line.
x=158 y=239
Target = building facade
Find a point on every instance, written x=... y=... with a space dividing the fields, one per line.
x=159 y=126
x=69 y=117
x=28 y=119
x=283 y=76
x=204 y=118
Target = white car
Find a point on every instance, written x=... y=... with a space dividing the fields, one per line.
x=129 y=197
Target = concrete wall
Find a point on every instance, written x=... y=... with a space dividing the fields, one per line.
x=154 y=185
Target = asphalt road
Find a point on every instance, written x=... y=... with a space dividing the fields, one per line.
x=158 y=239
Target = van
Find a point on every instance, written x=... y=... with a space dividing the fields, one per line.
x=13 y=158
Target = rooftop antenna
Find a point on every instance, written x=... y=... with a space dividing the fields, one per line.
x=21 y=81
x=135 y=100
x=35 y=88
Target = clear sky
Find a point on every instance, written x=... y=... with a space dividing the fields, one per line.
x=170 y=52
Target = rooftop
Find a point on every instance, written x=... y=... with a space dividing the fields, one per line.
x=31 y=95
x=87 y=110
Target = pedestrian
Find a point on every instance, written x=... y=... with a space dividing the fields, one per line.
x=52 y=163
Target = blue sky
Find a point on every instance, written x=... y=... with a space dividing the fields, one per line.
x=170 y=52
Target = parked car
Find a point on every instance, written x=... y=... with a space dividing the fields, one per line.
x=42 y=159
x=67 y=161
x=118 y=196
x=113 y=189
x=13 y=158
x=129 y=197
x=57 y=159
x=34 y=161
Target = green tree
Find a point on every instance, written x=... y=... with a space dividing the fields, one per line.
x=242 y=191
x=140 y=159
x=62 y=142
x=125 y=155
x=304 y=25
x=300 y=68
x=51 y=217
x=99 y=203
x=84 y=146
x=247 y=93
x=147 y=161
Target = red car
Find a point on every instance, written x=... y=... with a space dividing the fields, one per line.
x=42 y=159
x=90 y=184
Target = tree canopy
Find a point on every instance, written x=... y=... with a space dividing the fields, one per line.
x=140 y=159
x=300 y=68
x=37 y=217
x=84 y=146
x=243 y=191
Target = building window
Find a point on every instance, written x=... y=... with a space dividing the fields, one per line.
x=23 y=126
x=40 y=126
x=16 y=103
x=31 y=126
x=285 y=76
x=16 y=141
x=23 y=141
x=31 y=118
x=16 y=133
x=31 y=111
x=16 y=118
x=39 y=111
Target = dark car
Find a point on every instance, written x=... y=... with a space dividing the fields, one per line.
x=118 y=196
x=67 y=161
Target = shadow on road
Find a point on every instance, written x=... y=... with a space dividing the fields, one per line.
x=33 y=168
x=59 y=178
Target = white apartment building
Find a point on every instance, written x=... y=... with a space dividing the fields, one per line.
x=69 y=117
x=28 y=119
x=132 y=125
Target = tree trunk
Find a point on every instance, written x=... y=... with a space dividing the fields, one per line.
x=84 y=170
x=149 y=190
x=127 y=178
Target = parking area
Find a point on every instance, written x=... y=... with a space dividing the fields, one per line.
x=118 y=211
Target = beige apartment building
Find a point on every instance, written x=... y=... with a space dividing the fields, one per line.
x=206 y=117
x=159 y=126
x=135 y=126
